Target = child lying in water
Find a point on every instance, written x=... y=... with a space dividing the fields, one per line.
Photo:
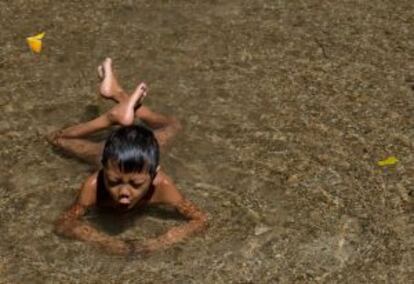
x=129 y=175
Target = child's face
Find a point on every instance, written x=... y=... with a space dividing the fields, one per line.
x=126 y=189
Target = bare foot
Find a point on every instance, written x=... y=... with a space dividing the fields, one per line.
x=139 y=95
x=124 y=112
x=109 y=87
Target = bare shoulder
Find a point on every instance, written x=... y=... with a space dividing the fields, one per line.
x=88 y=190
x=166 y=191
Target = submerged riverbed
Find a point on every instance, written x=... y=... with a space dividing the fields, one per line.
x=287 y=107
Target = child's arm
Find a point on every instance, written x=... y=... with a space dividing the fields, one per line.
x=70 y=223
x=167 y=193
x=165 y=127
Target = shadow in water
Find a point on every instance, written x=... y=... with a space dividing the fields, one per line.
x=114 y=222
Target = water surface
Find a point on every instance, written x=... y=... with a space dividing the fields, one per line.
x=287 y=106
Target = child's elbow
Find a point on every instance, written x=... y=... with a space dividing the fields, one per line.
x=203 y=222
x=62 y=228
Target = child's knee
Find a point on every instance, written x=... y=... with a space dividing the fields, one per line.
x=54 y=138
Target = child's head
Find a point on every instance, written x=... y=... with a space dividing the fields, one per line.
x=130 y=162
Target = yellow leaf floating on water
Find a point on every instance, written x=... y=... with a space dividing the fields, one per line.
x=35 y=42
x=388 y=161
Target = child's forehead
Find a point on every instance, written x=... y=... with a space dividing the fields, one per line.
x=117 y=173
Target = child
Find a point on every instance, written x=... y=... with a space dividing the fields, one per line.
x=130 y=176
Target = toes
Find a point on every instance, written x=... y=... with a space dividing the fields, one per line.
x=104 y=67
x=101 y=73
x=142 y=89
x=108 y=62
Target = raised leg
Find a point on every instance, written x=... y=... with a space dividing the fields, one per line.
x=109 y=87
x=70 y=139
x=165 y=127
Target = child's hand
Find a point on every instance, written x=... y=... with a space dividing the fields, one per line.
x=137 y=248
x=118 y=247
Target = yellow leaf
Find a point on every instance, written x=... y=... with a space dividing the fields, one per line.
x=388 y=161
x=35 y=42
x=39 y=36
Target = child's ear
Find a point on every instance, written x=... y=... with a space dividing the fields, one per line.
x=158 y=169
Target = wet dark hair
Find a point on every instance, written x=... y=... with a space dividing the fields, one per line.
x=134 y=148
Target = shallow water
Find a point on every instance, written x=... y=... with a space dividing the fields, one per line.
x=287 y=107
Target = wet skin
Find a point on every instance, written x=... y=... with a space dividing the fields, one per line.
x=126 y=190
x=126 y=194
